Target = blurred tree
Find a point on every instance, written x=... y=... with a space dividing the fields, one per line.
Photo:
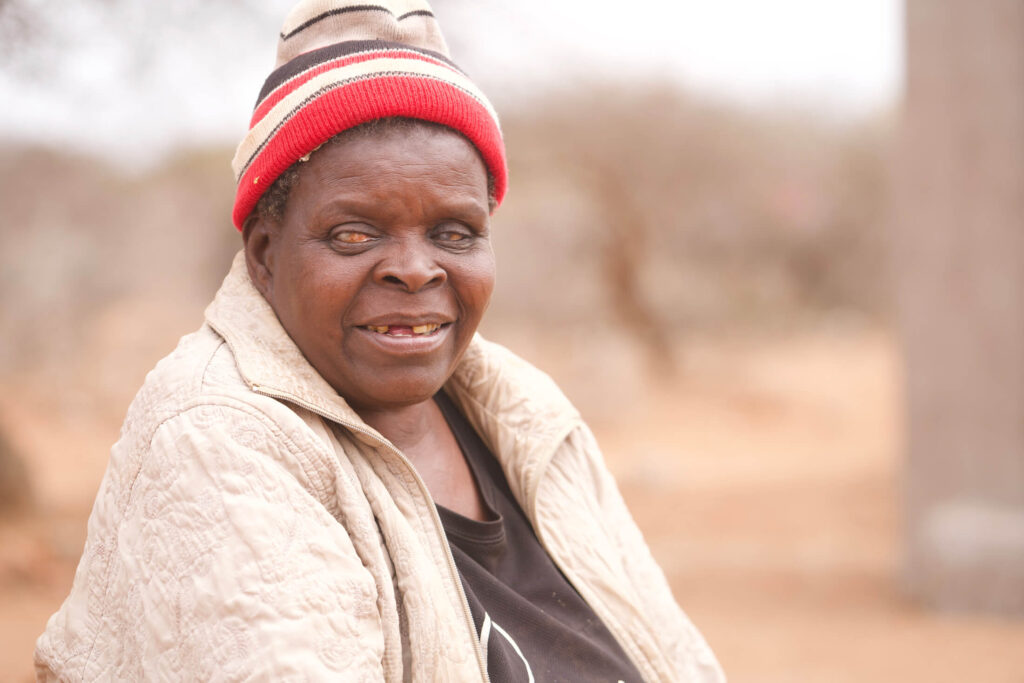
x=19 y=23
x=623 y=257
x=15 y=487
x=686 y=214
x=960 y=247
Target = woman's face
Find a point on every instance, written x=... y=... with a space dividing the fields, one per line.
x=381 y=267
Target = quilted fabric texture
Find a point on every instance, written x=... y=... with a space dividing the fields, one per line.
x=251 y=526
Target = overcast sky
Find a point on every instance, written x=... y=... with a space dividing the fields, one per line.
x=134 y=80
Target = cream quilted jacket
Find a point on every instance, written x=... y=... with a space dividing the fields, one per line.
x=251 y=526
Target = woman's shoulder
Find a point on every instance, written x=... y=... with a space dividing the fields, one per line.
x=211 y=487
x=195 y=413
x=198 y=370
x=199 y=383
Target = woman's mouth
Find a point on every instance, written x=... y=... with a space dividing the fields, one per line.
x=425 y=330
x=405 y=339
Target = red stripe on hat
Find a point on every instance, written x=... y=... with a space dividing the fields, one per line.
x=349 y=105
x=289 y=86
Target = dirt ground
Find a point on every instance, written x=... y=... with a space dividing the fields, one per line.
x=765 y=477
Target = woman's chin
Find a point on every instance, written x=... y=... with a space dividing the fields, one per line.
x=395 y=395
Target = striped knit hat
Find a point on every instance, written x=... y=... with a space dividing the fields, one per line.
x=341 y=63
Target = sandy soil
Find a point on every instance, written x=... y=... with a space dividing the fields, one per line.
x=766 y=480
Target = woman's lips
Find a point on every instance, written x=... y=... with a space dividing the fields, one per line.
x=420 y=338
x=405 y=330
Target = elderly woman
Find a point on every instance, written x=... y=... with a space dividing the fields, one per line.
x=334 y=478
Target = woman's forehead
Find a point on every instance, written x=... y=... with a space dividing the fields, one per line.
x=383 y=149
x=394 y=166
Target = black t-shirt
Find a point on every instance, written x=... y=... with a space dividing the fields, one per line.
x=532 y=623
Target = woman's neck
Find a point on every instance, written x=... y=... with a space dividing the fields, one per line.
x=406 y=427
x=422 y=434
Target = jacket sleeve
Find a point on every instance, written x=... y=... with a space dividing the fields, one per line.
x=212 y=561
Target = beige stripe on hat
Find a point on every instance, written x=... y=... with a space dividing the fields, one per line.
x=314 y=24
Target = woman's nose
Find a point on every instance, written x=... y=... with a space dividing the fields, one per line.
x=410 y=263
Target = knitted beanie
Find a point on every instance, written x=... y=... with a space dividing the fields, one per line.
x=341 y=63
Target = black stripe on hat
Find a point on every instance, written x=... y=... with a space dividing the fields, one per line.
x=310 y=59
x=416 y=13
x=353 y=8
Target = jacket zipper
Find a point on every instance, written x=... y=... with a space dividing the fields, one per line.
x=453 y=572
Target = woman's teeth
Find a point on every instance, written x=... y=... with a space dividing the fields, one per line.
x=404 y=330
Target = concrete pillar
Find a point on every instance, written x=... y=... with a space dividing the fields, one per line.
x=959 y=267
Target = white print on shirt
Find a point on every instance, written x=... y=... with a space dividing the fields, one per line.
x=485 y=638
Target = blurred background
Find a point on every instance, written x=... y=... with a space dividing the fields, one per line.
x=773 y=251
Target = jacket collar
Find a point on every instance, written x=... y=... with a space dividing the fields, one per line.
x=266 y=357
x=518 y=410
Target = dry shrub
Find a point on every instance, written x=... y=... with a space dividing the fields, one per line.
x=665 y=214
x=84 y=243
x=641 y=211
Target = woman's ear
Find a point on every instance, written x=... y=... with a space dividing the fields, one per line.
x=260 y=236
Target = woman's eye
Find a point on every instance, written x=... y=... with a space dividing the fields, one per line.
x=351 y=237
x=453 y=236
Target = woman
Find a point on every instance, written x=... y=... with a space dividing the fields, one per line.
x=334 y=478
